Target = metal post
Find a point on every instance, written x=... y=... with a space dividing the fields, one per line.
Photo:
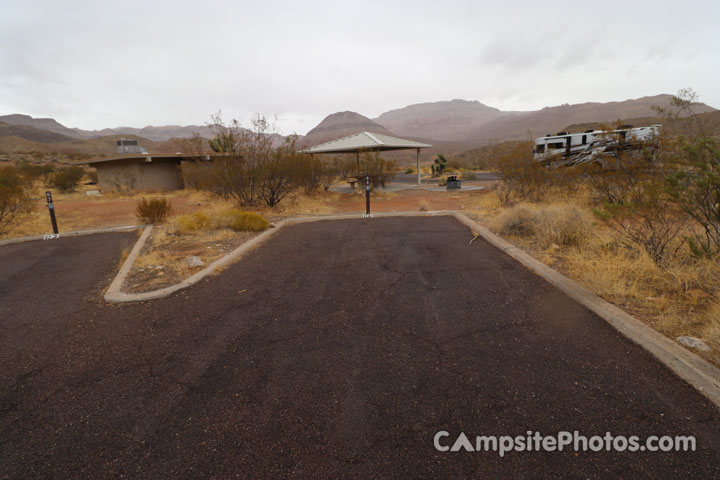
x=367 y=194
x=51 y=208
x=418 y=165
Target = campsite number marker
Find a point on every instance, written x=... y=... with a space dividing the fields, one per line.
x=51 y=208
x=367 y=194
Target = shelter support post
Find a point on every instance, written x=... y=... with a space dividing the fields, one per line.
x=418 y=164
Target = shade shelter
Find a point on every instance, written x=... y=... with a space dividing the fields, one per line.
x=369 y=142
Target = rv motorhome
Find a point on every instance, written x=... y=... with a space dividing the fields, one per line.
x=566 y=149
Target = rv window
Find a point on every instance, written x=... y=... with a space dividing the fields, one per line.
x=584 y=140
x=540 y=148
x=556 y=145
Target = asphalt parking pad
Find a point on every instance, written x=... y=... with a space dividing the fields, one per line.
x=337 y=348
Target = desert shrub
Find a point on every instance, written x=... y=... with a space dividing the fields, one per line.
x=155 y=210
x=192 y=223
x=381 y=171
x=15 y=201
x=520 y=220
x=409 y=171
x=560 y=224
x=522 y=177
x=618 y=180
x=647 y=219
x=312 y=173
x=345 y=166
x=564 y=225
x=33 y=171
x=695 y=185
x=66 y=179
x=485 y=157
x=251 y=168
x=455 y=163
x=245 y=221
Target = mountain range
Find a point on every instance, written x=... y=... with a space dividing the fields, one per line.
x=451 y=126
x=156 y=134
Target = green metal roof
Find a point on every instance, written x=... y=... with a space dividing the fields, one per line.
x=365 y=141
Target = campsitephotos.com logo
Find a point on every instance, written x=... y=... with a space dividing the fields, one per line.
x=562 y=441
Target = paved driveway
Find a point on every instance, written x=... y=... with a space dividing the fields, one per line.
x=338 y=349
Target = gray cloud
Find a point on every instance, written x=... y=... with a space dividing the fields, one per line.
x=99 y=64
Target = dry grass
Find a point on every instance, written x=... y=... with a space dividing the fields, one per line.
x=208 y=235
x=681 y=298
x=77 y=211
x=162 y=262
x=561 y=224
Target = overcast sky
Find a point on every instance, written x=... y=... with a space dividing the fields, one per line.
x=96 y=64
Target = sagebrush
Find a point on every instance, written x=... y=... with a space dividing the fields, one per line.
x=154 y=210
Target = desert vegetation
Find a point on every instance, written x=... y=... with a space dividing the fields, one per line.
x=15 y=200
x=640 y=230
x=154 y=210
x=187 y=242
x=256 y=166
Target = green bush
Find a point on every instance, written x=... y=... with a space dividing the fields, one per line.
x=155 y=210
x=245 y=221
x=192 y=223
x=409 y=170
x=67 y=179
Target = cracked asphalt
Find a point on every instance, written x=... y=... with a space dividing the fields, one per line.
x=335 y=350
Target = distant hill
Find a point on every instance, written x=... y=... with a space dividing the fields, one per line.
x=156 y=134
x=459 y=125
x=47 y=124
x=450 y=126
x=340 y=125
x=709 y=121
x=553 y=119
x=32 y=134
x=103 y=146
x=453 y=120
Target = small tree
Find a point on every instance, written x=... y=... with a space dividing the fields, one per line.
x=695 y=186
x=440 y=164
x=67 y=179
x=522 y=177
x=15 y=201
x=250 y=167
x=278 y=172
x=380 y=170
x=647 y=218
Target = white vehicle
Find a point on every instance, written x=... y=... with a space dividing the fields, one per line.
x=566 y=149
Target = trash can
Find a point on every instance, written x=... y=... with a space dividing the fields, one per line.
x=452 y=182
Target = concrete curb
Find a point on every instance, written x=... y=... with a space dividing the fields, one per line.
x=122 y=274
x=77 y=233
x=114 y=293
x=698 y=372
